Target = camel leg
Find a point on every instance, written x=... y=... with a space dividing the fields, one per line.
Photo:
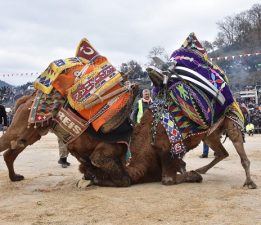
x=18 y=146
x=18 y=136
x=213 y=141
x=171 y=166
x=4 y=142
x=9 y=157
x=95 y=175
x=189 y=177
x=91 y=172
x=236 y=136
x=107 y=157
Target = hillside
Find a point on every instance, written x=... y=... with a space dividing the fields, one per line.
x=4 y=84
x=237 y=47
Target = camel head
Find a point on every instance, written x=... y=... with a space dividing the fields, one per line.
x=160 y=72
x=134 y=88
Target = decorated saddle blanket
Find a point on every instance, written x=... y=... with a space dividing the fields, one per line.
x=67 y=125
x=100 y=113
x=193 y=102
x=97 y=77
x=45 y=106
x=90 y=83
x=48 y=109
x=234 y=113
x=92 y=93
x=107 y=114
x=177 y=124
x=191 y=61
x=45 y=81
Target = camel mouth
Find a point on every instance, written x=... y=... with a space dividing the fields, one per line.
x=135 y=88
x=155 y=76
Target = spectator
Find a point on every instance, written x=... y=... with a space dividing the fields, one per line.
x=3 y=118
x=10 y=116
x=205 y=151
x=142 y=105
x=63 y=153
x=250 y=129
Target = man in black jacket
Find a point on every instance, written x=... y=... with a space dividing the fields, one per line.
x=3 y=118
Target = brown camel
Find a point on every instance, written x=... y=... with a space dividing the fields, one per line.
x=152 y=159
x=155 y=159
x=103 y=163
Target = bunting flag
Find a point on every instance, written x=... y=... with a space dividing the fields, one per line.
x=232 y=57
x=18 y=74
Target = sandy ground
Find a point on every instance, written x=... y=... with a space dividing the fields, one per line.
x=49 y=195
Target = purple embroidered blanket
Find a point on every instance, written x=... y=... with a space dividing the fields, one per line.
x=192 y=60
x=193 y=56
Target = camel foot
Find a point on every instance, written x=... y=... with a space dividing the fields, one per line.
x=82 y=184
x=201 y=170
x=250 y=185
x=125 y=181
x=182 y=168
x=88 y=177
x=16 y=177
x=194 y=176
x=168 y=181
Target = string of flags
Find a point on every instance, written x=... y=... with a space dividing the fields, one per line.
x=18 y=74
x=232 y=57
x=235 y=56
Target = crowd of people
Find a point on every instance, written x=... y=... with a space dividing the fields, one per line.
x=252 y=114
x=6 y=94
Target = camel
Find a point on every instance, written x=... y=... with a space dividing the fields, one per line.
x=101 y=162
x=155 y=158
x=86 y=148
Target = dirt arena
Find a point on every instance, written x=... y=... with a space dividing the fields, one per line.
x=49 y=195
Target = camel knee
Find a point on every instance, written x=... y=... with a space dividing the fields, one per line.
x=234 y=134
x=98 y=160
x=245 y=163
x=18 y=144
x=221 y=154
x=168 y=180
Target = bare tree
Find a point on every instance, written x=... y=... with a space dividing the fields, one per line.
x=132 y=69
x=219 y=41
x=242 y=28
x=228 y=28
x=157 y=51
x=208 y=46
x=255 y=19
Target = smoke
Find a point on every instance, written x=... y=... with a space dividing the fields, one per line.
x=243 y=72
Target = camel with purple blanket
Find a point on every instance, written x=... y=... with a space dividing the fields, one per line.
x=192 y=102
